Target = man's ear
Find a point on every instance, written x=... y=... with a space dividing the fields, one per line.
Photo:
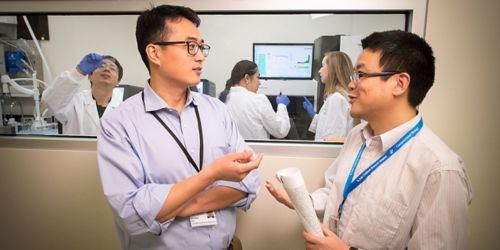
x=402 y=84
x=152 y=51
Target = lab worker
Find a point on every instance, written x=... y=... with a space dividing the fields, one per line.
x=252 y=112
x=80 y=111
x=333 y=119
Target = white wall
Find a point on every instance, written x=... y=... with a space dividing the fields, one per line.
x=53 y=199
x=72 y=37
x=462 y=107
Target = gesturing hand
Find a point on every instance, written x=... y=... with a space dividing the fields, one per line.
x=234 y=167
x=280 y=195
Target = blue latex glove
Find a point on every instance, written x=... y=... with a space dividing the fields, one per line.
x=308 y=107
x=90 y=62
x=282 y=99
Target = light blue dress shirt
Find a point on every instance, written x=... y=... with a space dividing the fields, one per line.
x=139 y=163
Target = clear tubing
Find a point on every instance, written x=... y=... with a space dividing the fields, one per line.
x=49 y=74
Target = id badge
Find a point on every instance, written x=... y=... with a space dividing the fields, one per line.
x=203 y=219
x=334 y=223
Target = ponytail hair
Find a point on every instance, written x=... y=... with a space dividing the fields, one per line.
x=240 y=69
x=225 y=92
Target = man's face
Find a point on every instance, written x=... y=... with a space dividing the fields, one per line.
x=177 y=66
x=371 y=95
x=106 y=74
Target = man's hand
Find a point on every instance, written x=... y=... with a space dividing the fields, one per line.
x=331 y=241
x=279 y=194
x=234 y=167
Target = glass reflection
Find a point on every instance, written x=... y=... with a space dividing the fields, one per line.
x=72 y=36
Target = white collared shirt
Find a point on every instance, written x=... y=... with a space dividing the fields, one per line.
x=417 y=199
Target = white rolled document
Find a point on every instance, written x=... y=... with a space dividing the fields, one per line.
x=294 y=185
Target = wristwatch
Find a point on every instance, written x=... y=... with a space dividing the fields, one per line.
x=352 y=248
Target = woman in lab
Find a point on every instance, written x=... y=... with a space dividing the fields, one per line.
x=252 y=112
x=79 y=111
x=334 y=119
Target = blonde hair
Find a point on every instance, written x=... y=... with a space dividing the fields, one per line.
x=339 y=71
x=339 y=75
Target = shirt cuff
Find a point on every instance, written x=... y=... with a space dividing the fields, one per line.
x=75 y=75
x=250 y=185
x=319 y=203
x=148 y=205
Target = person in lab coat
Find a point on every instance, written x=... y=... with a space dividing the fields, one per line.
x=79 y=111
x=333 y=119
x=252 y=112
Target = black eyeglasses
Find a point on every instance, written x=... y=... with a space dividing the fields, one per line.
x=357 y=76
x=192 y=46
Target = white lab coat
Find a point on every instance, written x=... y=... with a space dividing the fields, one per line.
x=75 y=109
x=334 y=118
x=254 y=115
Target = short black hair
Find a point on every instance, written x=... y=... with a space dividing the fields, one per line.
x=151 y=25
x=120 y=68
x=405 y=52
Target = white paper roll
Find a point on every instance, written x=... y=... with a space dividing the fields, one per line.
x=294 y=185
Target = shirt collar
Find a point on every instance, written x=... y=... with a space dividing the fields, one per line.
x=238 y=88
x=390 y=137
x=153 y=101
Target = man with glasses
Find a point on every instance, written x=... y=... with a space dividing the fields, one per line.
x=79 y=111
x=173 y=166
x=395 y=184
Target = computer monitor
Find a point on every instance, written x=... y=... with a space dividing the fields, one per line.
x=206 y=87
x=125 y=91
x=284 y=60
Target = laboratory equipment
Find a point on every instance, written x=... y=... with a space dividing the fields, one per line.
x=206 y=87
x=19 y=61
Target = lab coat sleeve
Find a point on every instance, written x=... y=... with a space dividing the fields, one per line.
x=276 y=123
x=61 y=93
x=135 y=203
x=314 y=124
x=251 y=183
x=335 y=116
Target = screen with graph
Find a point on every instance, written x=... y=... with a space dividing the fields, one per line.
x=284 y=60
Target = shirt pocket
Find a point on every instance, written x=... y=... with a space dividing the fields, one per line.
x=376 y=219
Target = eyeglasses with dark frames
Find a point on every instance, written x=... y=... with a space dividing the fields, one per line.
x=357 y=76
x=192 y=46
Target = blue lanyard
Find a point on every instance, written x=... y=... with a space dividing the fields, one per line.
x=351 y=185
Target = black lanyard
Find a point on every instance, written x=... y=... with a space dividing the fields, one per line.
x=200 y=131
